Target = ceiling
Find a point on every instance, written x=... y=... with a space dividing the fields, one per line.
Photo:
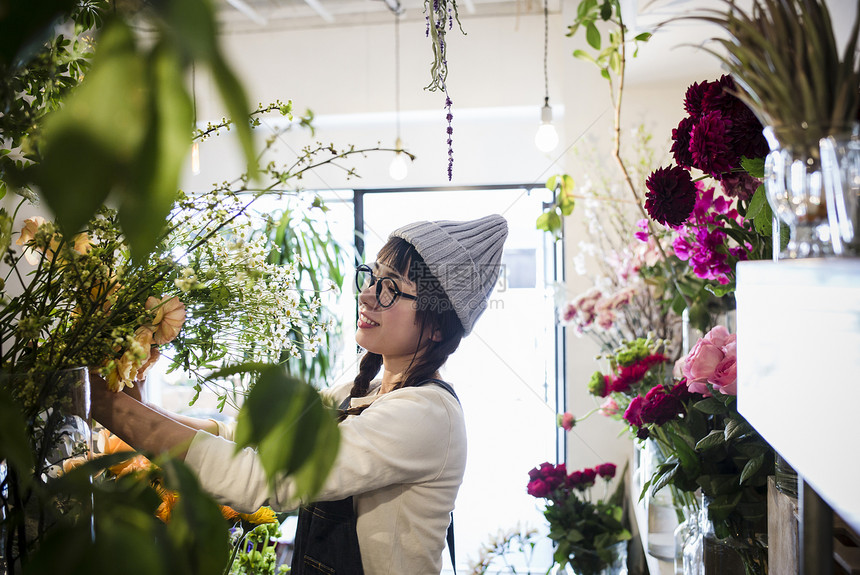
x=286 y=14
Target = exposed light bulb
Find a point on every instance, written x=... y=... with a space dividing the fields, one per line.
x=195 y=158
x=546 y=138
x=399 y=169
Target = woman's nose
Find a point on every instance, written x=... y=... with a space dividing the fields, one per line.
x=367 y=297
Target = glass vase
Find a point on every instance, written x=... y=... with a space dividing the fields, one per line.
x=587 y=562
x=744 y=552
x=56 y=409
x=689 y=545
x=794 y=186
x=840 y=163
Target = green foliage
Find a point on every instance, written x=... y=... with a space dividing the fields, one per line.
x=255 y=552
x=609 y=58
x=784 y=55
x=141 y=89
x=294 y=433
x=551 y=219
x=301 y=237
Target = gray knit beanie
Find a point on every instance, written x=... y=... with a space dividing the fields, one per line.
x=464 y=256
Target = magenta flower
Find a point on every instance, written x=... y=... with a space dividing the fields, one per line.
x=642 y=234
x=633 y=413
x=671 y=195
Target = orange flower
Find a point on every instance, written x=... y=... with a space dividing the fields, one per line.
x=229 y=513
x=108 y=444
x=168 y=502
x=154 y=354
x=72 y=462
x=169 y=318
x=82 y=243
x=28 y=234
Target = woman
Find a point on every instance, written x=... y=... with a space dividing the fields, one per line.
x=385 y=507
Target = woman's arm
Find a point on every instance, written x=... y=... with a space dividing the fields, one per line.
x=141 y=426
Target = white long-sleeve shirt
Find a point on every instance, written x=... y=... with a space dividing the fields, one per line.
x=402 y=460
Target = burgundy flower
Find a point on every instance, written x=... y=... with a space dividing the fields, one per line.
x=739 y=185
x=606 y=470
x=588 y=477
x=710 y=144
x=538 y=488
x=671 y=195
x=632 y=374
x=633 y=413
x=719 y=96
x=746 y=136
x=661 y=406
x=693 y=98
x=574 y=480
x=681 y=142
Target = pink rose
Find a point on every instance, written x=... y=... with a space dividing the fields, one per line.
x=702 y=360
x=609 y=407
x=725 y=378
x=719 y=336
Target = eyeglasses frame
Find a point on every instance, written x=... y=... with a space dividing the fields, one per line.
x=375 y=279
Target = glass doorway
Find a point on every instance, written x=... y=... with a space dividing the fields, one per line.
x=504 y=371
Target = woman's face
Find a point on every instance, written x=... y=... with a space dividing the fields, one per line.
x=394 y=331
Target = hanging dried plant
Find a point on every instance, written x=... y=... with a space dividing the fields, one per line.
x=440 y=16
x=783 y=54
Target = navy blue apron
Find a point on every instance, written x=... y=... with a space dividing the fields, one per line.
x=326 y=541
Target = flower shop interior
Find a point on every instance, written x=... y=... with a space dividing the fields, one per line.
x=636 y=392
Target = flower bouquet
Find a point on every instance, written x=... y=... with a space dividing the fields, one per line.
x=588 y=535
x=710 y=446
x=714 y=229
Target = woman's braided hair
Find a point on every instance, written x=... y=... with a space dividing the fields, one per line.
x=433 y=310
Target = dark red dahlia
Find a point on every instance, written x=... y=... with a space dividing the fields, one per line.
x=671 y=195
x=693 y=98
x=681 y=142
x=711 y=146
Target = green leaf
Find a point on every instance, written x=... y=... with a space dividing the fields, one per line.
x=273 y=397
x=736 y=428
x=583 y=55
x=156 y=171
x=764 y=221
x=711 y=406
x=719 y=508
x=751 y=467
x=592 y=36
x=311 y=476
x=754 y=166
x=549 y=221
x=96 y=134
x=758 y=201
x=714 y=439
x=664 y=479
x=606 y=11
x=643 y=37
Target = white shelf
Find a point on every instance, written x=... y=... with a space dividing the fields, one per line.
x=798 y=325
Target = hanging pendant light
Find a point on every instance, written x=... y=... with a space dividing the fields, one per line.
x=546 y=138
x=399 y=169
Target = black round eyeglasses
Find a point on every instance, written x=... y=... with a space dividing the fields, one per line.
x=387 y=290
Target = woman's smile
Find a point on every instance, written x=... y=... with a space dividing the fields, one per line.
x=365 y=322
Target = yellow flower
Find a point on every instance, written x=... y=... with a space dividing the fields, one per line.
x=72 y=462
x=82 y=243
x=260 y=516
x=108 y=444
x=169 y=318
